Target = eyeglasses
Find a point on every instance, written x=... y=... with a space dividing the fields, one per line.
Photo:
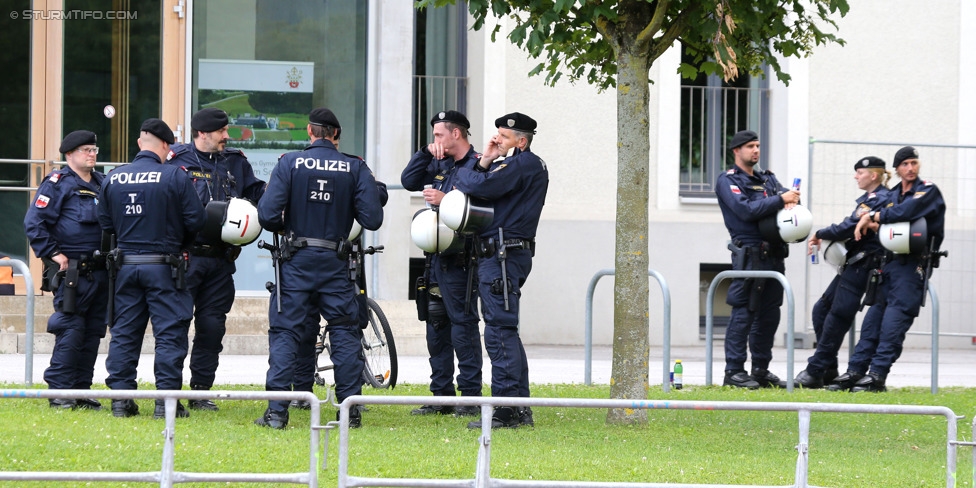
x=89 y=150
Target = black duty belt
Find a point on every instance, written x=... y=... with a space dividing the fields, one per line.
x=312 y=242
x=148 y=259
x=208 y=251
x=489 y=246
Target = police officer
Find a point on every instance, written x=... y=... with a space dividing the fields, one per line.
x=62 y=226
x=312 y=198
x=155 y=213
x=218 y=173
x=902 y=279
x=305 y=366
x=746 y=195
x=452 y=327
x=834 y=313
x=517 y=187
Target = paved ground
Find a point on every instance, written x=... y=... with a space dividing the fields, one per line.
x=562 y=364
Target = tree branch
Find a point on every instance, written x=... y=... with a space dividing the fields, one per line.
x=678 y=26
x=647 y=34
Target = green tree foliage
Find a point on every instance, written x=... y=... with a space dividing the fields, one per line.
x=612 y=43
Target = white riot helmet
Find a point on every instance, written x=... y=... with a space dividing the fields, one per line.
x=357 y=229
x=835 y=253
x=431 y=235
x=905 y=237
x=787 y=225
x=234 y=221
x=464 y=214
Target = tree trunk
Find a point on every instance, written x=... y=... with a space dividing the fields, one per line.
x=629 y=376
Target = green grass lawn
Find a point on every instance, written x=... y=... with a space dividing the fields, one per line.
x=719 y=447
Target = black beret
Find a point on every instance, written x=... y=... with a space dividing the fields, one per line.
x=323 y=116
x=907 y=152
x=742 y=137
x=209 y=120
x=516 y=121
x=75 y=139
x=870 y=162
x=452 y=116
x=159 y=129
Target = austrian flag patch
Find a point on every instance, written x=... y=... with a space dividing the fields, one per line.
x=42 y=201
x=735 y=189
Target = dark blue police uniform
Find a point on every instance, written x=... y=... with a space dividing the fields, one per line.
x=210 y=276
x=154 y=212
x=902 y=282
x=834 y=312
x=744 y=200
x=305 y=367
x=517 y=188
x=449 y=271
x=313 y=197
x=64 y=219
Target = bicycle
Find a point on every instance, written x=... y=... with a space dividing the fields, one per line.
x=378 y=345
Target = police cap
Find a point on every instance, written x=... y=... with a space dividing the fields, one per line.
x=75 y=139
x=516 y=121
x=323 y=116
x=209 y=119
x=159 y=129
x=742 y=137
x=452 y=116
x=870 y=162
x=907 y=152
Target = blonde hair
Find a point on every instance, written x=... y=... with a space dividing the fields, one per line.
x=883 y=174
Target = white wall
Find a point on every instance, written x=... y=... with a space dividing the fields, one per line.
x=898 y=78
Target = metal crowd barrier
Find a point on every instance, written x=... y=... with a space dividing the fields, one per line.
x=167 y=476
x=709 y=320
x=588 y=327
x=29 y=318
x=483 y=477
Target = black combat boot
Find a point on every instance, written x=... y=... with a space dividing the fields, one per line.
x=124 y=408
x=739 y=379
x=64 y=403
x=205 y=404
x=502 y=417
x=767 y=379
x=525 y=417
x=273 y=420
x=433 y=410
x=845 y=381
x=809 y=380
x=160 y=411
x=88 y=404
x=872 y=381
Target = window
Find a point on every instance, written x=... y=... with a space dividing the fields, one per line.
x=440 y=66
x=711 y=112
x=268 y=64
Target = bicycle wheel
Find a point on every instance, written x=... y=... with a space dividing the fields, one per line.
x=379 y=349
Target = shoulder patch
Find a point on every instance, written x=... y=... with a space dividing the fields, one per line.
x=730 y=172
x=170 y=155
x=42 y=201
x=735 y=189
x=54 y=178
x=927 y=183
x=872 y=195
